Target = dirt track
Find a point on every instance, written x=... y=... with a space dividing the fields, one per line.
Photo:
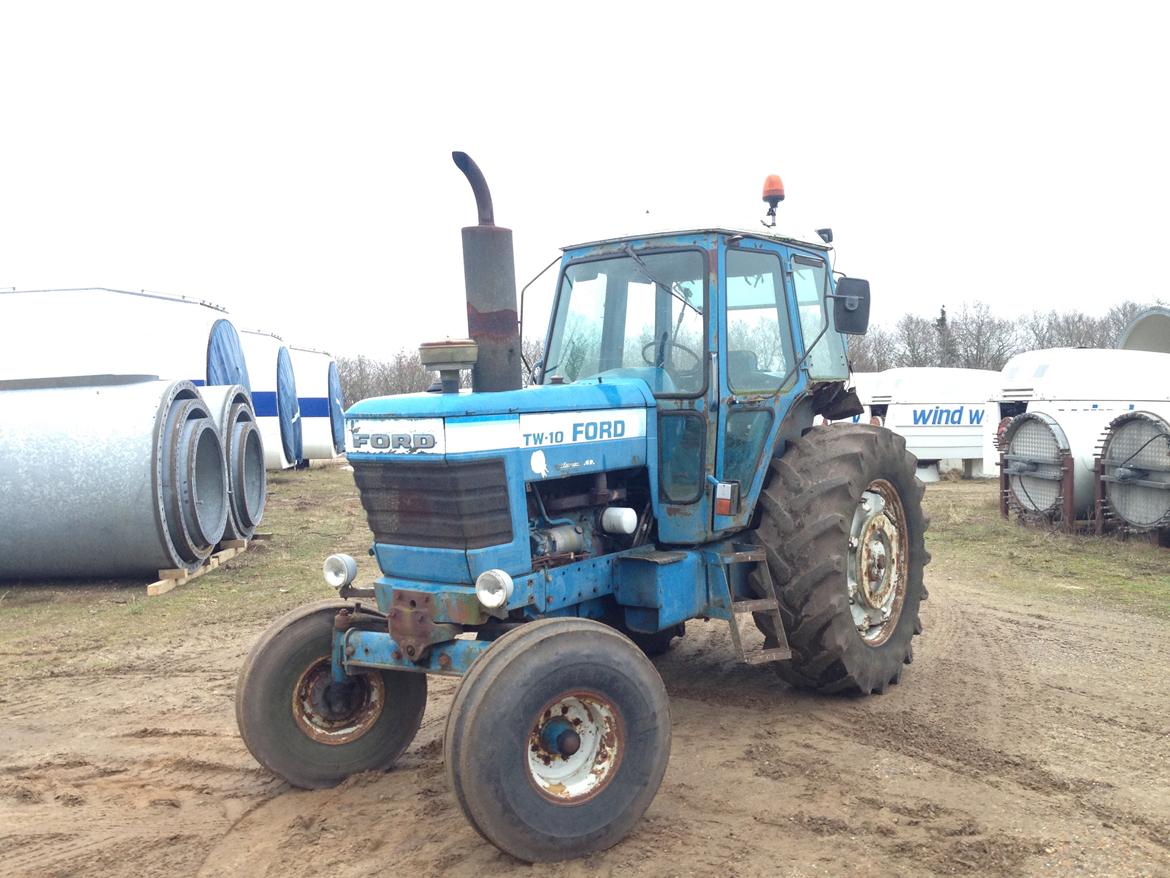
x=1030 y=736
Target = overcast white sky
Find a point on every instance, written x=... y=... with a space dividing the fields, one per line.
x=292 y=161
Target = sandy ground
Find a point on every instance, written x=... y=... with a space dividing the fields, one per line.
x=1030 y=736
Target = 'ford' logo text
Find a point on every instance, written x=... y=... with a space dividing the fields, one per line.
x=394 y=441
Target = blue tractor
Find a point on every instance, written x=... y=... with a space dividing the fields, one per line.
x=542 y=542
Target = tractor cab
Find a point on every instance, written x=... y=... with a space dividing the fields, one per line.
x=542 y=542
x=728 y=330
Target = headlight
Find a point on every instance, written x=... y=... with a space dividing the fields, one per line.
x=340 y=570
x=493 y=588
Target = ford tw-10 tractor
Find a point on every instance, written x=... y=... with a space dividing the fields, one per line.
x=542 y=541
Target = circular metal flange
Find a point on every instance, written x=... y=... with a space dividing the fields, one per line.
x=575 y=747
x=879 y=547
x=336 y=713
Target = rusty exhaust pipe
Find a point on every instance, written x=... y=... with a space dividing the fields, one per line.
x=489 y=274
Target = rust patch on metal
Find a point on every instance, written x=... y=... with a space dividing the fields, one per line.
x=413 y=626
x=499 y=325
x=331 y=717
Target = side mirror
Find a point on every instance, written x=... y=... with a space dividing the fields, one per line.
x=851 y=306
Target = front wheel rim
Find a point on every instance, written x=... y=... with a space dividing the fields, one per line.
x=574 y=748
x=879 y=542
x=333 y=713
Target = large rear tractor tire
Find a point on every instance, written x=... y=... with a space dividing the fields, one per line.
x=302 y=725
x=840 y=517
x=558 y=739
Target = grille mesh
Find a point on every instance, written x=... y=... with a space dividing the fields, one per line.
x=1033 y=441
x=435 y=504
x=1140 y=444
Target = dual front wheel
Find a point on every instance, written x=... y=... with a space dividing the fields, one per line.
x=555 y=745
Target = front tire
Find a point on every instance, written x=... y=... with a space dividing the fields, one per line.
x=301 y=726
x=558 y=739
x=841 y=520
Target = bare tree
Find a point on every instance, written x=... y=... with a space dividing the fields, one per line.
x=916 y=342
x=363 y=377
x=531 y=355
x=1118 y=318
x=979 y=340
x=875 y=351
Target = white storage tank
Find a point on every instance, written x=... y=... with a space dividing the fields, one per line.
x=321 y=403
x=274 y=397
x=1148 y=331
x=46 y=334
x=1063 y=399
x=939 y=411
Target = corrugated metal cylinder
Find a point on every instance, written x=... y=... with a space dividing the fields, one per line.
x=118 y=479
x=231 y=410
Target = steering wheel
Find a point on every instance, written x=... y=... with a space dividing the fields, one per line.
x=670 y=342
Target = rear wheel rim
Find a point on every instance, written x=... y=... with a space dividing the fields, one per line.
x=574 y=747
x=879 y=543
x=333 y=713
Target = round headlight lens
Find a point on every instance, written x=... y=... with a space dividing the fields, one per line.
x=340 y=570
x=493 y=588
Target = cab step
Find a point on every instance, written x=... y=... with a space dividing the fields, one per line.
x=768 y=605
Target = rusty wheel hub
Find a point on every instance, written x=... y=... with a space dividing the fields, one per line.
x=574 y=747
x=330 y=712
x=878 y=555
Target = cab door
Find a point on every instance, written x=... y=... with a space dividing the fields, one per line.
x=756 y=353
x=687 y=417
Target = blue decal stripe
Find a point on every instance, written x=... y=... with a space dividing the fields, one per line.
x=314 y=406
x=264 y=403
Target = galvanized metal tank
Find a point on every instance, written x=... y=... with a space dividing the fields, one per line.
x=119 y=478
x=243 y=447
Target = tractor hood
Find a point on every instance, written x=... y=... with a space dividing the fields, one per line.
x=443 y=476
x=543 y=417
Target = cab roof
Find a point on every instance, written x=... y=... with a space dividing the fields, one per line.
x=813 y=241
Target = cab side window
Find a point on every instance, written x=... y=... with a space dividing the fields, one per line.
x=759 y=340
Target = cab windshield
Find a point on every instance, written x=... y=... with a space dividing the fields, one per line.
x=636 y=316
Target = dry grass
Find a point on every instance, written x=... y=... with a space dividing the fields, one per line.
x=310 y=514
x=315 y=512
x=969 y=540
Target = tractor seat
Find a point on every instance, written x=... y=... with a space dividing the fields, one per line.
x=658 y=379
x=744 y=372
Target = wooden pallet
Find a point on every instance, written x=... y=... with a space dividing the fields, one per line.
x=174 y=577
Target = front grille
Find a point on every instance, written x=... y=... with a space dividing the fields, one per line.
x=436 y=504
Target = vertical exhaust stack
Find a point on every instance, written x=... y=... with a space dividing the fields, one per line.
x=489 y=272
